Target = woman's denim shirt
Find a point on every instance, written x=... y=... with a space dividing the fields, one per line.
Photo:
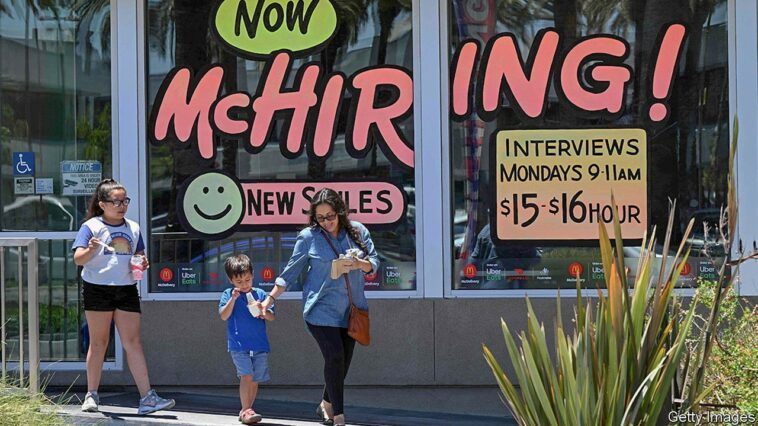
x=325 y=300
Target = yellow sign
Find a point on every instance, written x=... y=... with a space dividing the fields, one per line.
x=258 y=28
x=555 y=185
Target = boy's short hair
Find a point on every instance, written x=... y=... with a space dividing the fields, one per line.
x=237 y=265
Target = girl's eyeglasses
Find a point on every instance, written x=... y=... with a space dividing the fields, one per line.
x=118 y=203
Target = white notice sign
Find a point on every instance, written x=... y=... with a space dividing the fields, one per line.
x=80 y=177
x=43 y=185
x=23 y=185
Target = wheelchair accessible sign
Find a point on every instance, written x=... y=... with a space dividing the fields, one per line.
x=23 y=164
x=23 y=173
x=80 y=177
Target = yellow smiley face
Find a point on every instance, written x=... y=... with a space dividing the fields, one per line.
x=212 y=204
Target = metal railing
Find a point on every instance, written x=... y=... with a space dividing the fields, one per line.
x=32 y=265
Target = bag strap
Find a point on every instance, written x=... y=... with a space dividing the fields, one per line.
x=347 y=279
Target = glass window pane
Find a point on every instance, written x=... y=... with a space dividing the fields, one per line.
x=55 y=108
x=372 y=33
x=686 y=158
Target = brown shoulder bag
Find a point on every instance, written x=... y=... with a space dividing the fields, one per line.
x=358 y=323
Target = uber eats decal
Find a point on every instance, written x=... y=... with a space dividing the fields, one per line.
x=549 y=184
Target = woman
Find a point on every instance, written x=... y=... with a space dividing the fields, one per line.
x=325 y=300
x=103 y=248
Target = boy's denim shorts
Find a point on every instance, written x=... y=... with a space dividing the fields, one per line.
x=252 y=364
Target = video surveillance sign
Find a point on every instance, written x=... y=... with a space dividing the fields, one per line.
x=80 y=177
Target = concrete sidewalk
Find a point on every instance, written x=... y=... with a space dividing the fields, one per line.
x=211 y=406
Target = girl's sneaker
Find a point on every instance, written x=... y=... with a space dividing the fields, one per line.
x=91 y=401
x=152 y=403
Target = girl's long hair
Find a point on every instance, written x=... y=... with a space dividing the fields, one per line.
x=102 y=193
x=333 y=199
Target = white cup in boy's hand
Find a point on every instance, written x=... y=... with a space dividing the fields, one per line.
x=253 y=305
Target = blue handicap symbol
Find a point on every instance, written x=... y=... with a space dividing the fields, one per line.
x=23 y=164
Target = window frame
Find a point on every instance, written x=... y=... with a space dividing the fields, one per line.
x=743 y=96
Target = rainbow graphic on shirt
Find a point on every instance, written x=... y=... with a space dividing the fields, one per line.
x=122 y=243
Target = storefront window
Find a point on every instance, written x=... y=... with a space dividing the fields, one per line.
x=533 y=164
x=55 y=111
x=55 y=134
x=277 y=171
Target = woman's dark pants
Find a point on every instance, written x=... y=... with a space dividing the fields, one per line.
x=337 y=348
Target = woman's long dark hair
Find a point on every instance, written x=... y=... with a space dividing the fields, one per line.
x=102 y=193
x=332 y=198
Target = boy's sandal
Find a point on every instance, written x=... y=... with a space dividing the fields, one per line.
x=250 y=417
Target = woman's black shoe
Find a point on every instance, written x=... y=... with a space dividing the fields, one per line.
x=325 y=420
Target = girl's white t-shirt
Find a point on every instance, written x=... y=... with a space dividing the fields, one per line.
x=110 y=267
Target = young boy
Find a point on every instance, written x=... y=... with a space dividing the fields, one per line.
x=247 y=342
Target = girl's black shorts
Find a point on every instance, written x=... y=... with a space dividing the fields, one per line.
x=108 y=298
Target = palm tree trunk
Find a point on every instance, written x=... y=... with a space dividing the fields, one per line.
x=565 y=12
x=665 y=144
x=191 y=22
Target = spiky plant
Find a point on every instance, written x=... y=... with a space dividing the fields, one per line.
x=616 y=367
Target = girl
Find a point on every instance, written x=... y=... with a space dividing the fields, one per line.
x=103 y=247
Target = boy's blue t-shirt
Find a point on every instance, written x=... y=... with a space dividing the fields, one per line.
x=244 y=332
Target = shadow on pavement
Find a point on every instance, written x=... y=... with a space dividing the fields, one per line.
x=125 y=416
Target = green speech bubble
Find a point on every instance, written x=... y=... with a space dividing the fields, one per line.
x=257 y=28
x=211 y=204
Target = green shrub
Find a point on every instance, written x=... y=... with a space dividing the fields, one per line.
x=732 y=370
x=719 y=367
x=54 y=316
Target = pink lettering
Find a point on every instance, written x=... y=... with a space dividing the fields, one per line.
x=273 y=99
x=191 y=116
x=612 y=98
x=528 y=92
x=327 y=115
x=367 y=114
x=221 y=113
x=463 y=64
x=593 y=78
x=663 y=72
